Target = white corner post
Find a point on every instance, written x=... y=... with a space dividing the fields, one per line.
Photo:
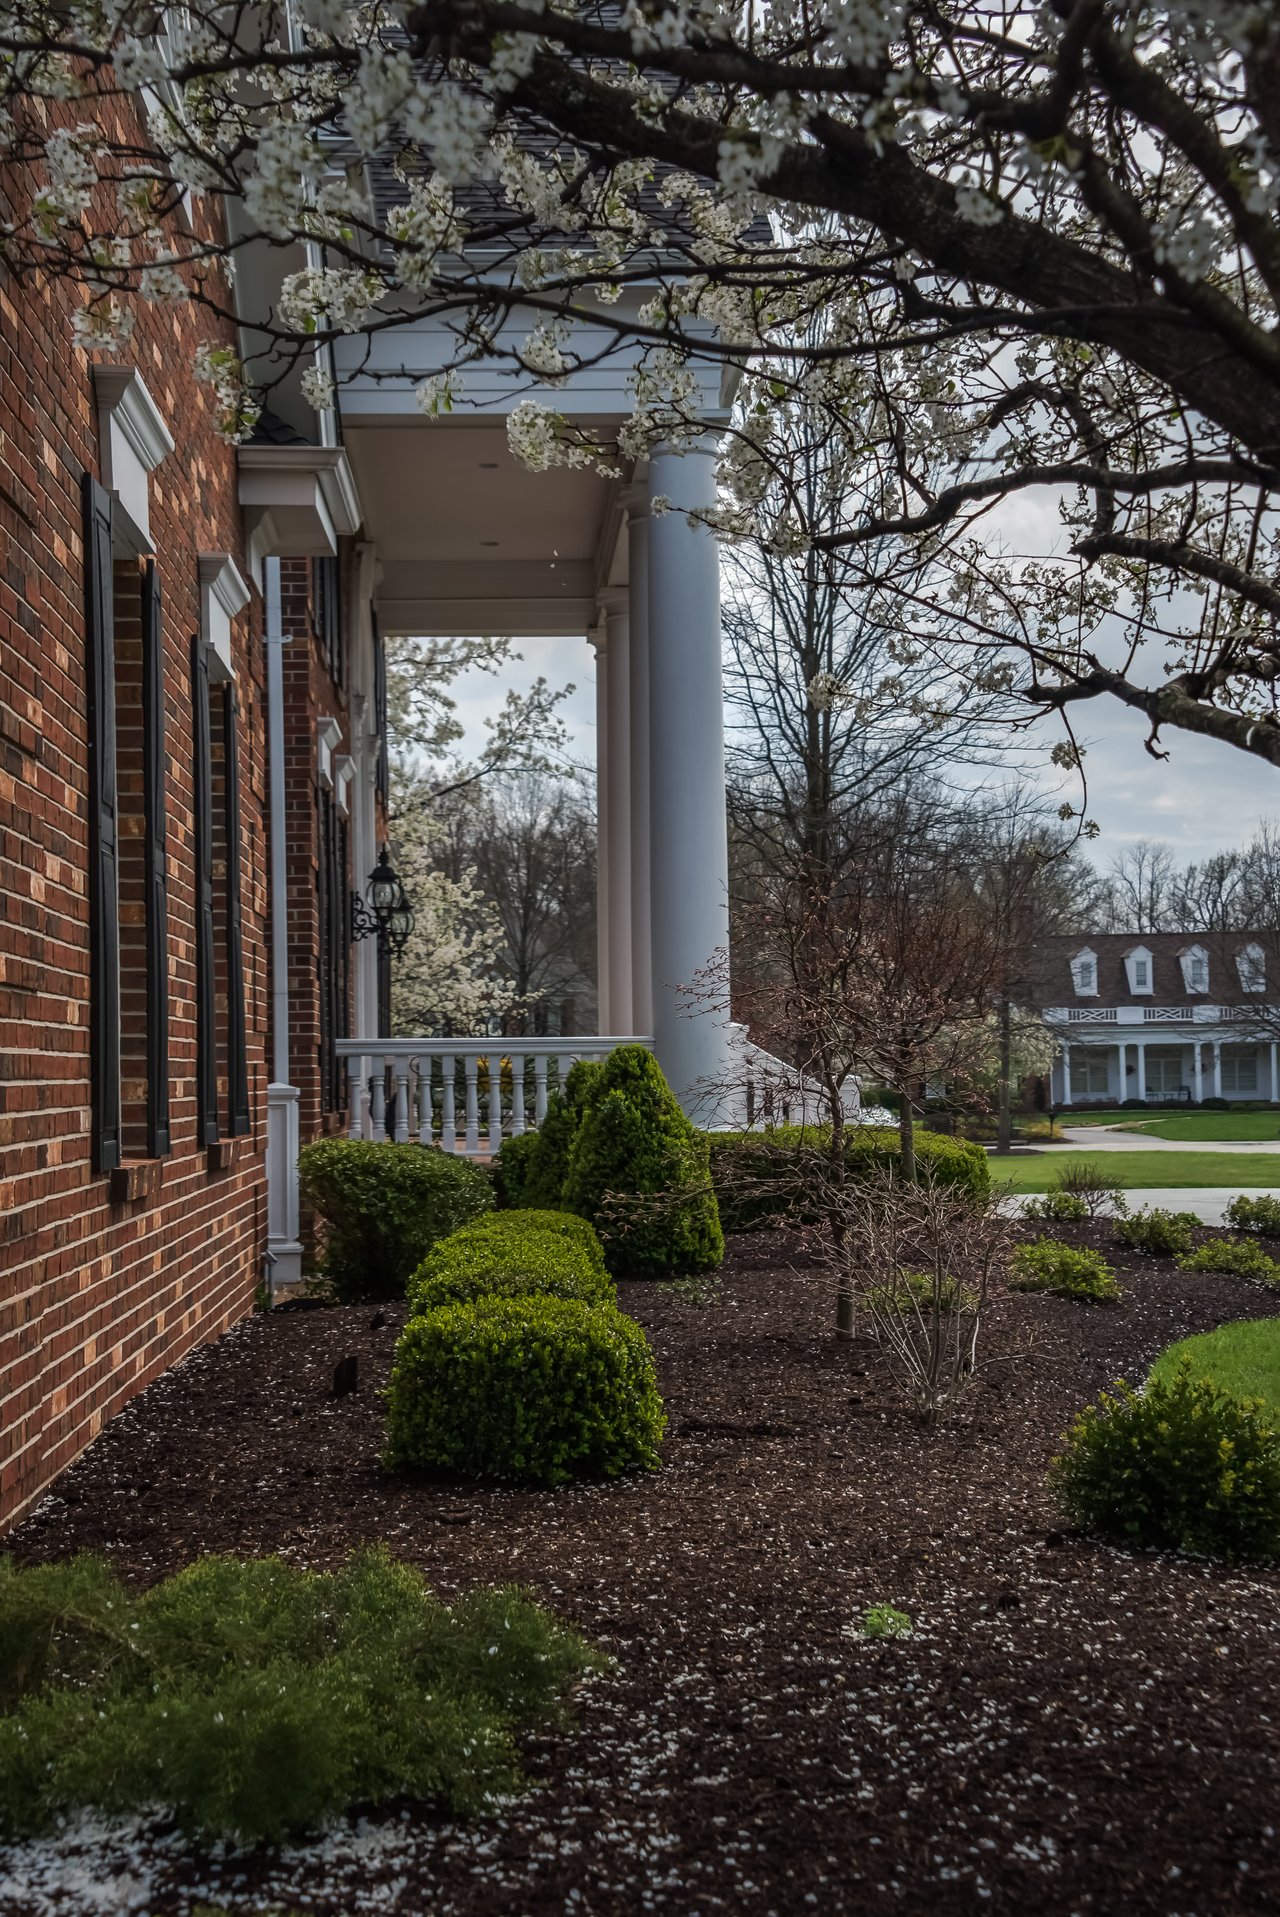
x=283 y=1245
x=604 y=1010
x=1142 y=1068
x=1122 y=1051
x=1066 y=1073
x=689 y=854
x=1217 y=1068
x=635 y=500
x=366 y=747
x=1197 y=1078
x=617 y=812
x=1275 y=1084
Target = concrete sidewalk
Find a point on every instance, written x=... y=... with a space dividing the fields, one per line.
x=1113 y=1138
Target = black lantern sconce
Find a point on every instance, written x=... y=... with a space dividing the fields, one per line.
x=388 y=916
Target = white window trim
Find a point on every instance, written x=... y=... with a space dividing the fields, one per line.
x=1086 y=960
x=223 y=594
x=1251 y=964
x=1137 y=955
x=133 y=439
x=1188 y=959
x=328 y=735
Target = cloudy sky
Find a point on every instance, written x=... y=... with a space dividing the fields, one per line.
x=1204 y=797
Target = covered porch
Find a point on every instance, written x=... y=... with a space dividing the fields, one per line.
x=1164 y=1070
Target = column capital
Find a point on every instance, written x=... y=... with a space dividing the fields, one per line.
x=613 y=601
x=634 y=496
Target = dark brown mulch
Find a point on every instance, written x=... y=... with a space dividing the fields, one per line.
x=1071 y=1729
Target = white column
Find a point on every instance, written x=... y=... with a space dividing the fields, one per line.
x=1217 y=1068
x=1275 y=1084
x=1066 y=1073
x=1197 y=1079
x=617 y=809
x=636 y=501
x=689 y=854
x=1142 y=1067
x=603 y=1007
x=1121 y=1050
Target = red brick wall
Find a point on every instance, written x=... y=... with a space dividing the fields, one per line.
x=98 y=1297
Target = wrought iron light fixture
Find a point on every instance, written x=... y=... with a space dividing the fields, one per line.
x=388 y=916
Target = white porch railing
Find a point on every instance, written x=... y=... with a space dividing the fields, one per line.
x=447 y=1092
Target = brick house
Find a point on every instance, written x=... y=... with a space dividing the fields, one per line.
x=1162 y=1017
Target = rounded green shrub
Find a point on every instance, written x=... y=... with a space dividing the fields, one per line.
x=1261 y=1215
x=539 y=1389
x=509 y=1264
x=1161 y=1232
x=1064 y=1271
x=515 y=1162
x=540 y=1171
x=758 y=1176
x=1056 y=1208
x=511 y=1227
x=1237 y=1257
x=1181 y=1466
x=384 y=1207
x=639 y=1172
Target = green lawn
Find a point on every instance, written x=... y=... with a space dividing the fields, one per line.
x=1232 y=1171
x=1243 y=1359
x=1225 y=1126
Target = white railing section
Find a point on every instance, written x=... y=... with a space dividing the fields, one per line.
x=464 y=1095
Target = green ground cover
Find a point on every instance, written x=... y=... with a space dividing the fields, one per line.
x=1231 y=1171
x=1243 y=1359
x=1224 y=1127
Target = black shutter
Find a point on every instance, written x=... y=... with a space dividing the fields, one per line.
x=104 y=874
x=324 y=955
x=237 y=1068
x=206 y=1028
x=157 y=869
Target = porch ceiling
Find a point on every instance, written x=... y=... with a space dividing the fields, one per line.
x=471 y=542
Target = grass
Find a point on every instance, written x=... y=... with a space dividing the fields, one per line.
x=1224 y=1127
x=1140 y=1170
x=1243 y=1359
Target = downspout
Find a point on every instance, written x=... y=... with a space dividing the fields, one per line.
x=283 y=1247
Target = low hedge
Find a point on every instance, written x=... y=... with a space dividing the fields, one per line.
x=1260 y=1214
x=1154 y=1230
x=520 y=1260
x=384 y=1207
x=1064 y=1271
x=536 y=1389
x=756 y=1175
x=507 y=1227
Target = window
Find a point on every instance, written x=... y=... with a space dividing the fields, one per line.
x=1251 y=963
x=128 y=887
x=326 y=616
x=1138 y=970
x=1089 y=1073
x=222 y=1080
x=1239 y=1071
x=380 y=710
x=1195 y=968
x=1084 y=974
x=335 y=950
x=1164 y=1070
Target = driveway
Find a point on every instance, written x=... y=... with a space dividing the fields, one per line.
x=1114 y=1138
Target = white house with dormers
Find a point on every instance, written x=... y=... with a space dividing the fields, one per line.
x=1166 y=1017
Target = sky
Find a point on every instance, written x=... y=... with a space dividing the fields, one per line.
x=1203 y=798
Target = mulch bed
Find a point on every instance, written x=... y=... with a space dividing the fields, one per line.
x=1071 y=1728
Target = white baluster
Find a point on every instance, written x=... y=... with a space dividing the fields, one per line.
x=517 y=1094
x=471 y=1065
x=379 y=1102
x=448 y=1117
x=565 y=1063
x=426 y=1117
x=401 y=1069
x=356 y=1073
x=539 y=1087
x=495 y=1104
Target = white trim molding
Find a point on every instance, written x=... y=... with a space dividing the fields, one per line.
x=223 y=594
x=297 y=500
x=328 y=735
x=133 y=439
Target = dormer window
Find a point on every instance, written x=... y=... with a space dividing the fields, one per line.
x=1084 y=973
x=1251 y=963
x=1195 y=968
x=1137 y=965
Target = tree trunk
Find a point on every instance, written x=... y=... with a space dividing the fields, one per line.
x=837 y=1172
x=907 y=1134
x=1004 y=1123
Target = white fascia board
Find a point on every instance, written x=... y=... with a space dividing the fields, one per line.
x=223 y=594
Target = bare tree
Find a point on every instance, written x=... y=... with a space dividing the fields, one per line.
x=1139 y=888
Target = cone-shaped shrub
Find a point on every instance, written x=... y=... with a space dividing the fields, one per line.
x=479 y=1263
x=639 y=1172
x=539 y=1389
x=534 y=1176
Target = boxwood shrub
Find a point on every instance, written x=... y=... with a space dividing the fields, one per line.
x=1064 y=1271
x=533 y=1175
x=384 y=1207
x=514 y=1164
x=639 y=1171
x=483 y=1261
x=1261 y=1214
x=507 y=1227
x=1239 y=1257
x=536 y=1389
x=757 y=1175
x=1181 y=1466
x=1161 y=1232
